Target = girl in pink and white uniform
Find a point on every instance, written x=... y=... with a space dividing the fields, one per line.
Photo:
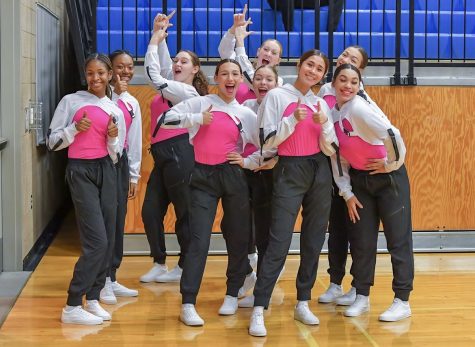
x=128 y=166
x=339 y=224
x=85 y=123
x=294 y=121
x=218 y=125
x=232 y=47
x=375 y=187
x=175 y=80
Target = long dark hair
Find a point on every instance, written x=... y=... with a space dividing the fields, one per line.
x=104 y=59
x=200 y=82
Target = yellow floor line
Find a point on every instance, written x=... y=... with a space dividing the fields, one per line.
x=306 y=334
x=365 y=333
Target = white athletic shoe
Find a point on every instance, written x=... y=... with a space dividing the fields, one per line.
x=78 y=315
x=92 y=306
x=347 y=299
x=156 y=270
x=170 y=276
x=303 y=314
x=397 y=311
x=246 y=302
x=334 y=291
x=249 y=283
x=360 y=306
x=256 y=324
x=107 y=295
x=229 y=306
x=253 y=260
x=122 y=291
x=189 y=316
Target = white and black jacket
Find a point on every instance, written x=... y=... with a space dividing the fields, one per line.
x=62 y=129
x=373 y=127
x=188 y=114
x=134 y=135
x=276 y=128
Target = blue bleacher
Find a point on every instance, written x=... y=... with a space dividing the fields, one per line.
x=447 y=32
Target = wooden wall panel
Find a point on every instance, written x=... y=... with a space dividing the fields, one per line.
x=438 y=127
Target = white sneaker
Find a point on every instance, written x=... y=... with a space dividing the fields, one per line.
x=360 y=306
x=246 y=302
x=398 y=310
x=303 y=314
x=156 y=270
x=229 y=306
x=334 y=291
x=92 y=306
x=120 y=290
x=107 y=295
x=189 y=316
x=249 y=283
x=256 y=324
x=78 y=315
x=170 y=276
x=253 y=260
x=348 y=298
x=280 y=275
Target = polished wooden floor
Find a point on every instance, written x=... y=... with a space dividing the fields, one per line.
x=443 y=307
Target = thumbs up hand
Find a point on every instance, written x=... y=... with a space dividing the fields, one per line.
x=319 y=117
x=112 y=129
x=300 y=113
x=84 y=124
x=207 y=116
x=120 y=86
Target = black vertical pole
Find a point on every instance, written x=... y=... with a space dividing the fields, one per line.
x=396 y=79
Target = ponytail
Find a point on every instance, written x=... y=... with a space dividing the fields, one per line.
x=200 y=83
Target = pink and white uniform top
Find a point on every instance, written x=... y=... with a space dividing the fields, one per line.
x=132 y=140
x=233 y=127
x=94 y=142
x=364 y=133
x=158 y=133
x=282 y=131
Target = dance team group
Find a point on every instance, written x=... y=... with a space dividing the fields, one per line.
x=265 y=148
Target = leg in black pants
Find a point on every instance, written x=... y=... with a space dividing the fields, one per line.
x=92 y=186
x=208 y=184
x=297 y=181
x=385 y=197
x=123 y=176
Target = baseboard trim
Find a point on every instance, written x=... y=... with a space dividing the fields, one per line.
x=424 y=241
x=34 y=256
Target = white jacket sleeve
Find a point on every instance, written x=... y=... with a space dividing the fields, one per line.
x=165 y=60
x=186 y=114
x=226 y=46
x=172 y=90
x=62 y=129
x=275 y=127
x=246 y=66
x=113 y=147
x=343 y=182
x=134 y=153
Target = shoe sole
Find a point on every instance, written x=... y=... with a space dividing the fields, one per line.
x=126 y=295
x=67 y=321
x=306 y=323
x=256 y=334
x=355 y=315
x=394 y=320
x=325 y=301
x=227 y=313
x=191 y=325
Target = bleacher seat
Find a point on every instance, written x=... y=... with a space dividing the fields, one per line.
x=440 y=33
